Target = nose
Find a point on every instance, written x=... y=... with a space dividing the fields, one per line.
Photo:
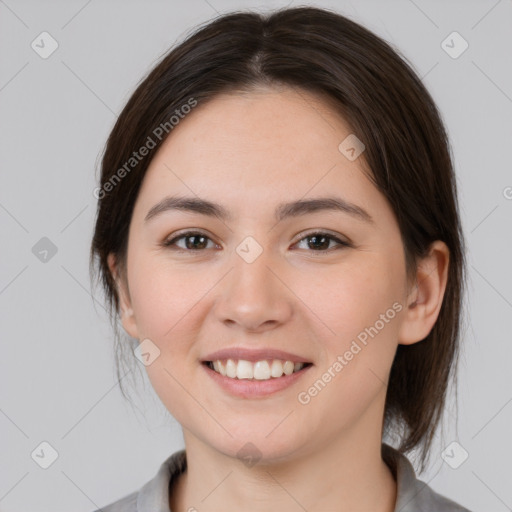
x=254 y=296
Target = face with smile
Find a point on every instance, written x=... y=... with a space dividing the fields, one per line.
x=249 y=270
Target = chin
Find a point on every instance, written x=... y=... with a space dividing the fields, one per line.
x=251 y=446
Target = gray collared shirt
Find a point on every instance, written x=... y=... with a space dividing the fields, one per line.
x=413 y=495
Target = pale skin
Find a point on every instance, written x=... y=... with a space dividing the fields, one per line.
x=250 y=152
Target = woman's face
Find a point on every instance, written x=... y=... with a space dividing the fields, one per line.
x=258 y=281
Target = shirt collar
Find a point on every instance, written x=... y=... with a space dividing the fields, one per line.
x=412 y=494
x=154 y=496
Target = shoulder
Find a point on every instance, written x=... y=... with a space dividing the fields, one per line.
x=126 y=504
x=425 y=498
x=153 y=496
x=413 y=494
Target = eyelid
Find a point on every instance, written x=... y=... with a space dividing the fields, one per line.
x=168 y=240
x=341 y=240
x=322 y=231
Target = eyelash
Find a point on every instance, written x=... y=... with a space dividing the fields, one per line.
x=170 y=242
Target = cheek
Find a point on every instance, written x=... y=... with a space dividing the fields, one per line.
x=163 y=297
x=167 y=303
x=351 y=299
x=360 y=308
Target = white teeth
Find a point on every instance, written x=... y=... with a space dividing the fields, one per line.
x=260 y=370
x=288 y=368
x=244 y=370
x=231 y=368
x=277 y=368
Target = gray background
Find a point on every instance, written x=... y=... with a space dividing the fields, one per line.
x=57 y=375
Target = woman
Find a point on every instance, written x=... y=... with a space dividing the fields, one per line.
x=278 y=229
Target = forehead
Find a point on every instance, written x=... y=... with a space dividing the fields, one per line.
x=290 y=123
x=265 y=146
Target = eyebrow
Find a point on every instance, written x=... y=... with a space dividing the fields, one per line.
x=283 y=210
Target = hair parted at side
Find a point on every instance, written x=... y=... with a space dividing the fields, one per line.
x=407 y=155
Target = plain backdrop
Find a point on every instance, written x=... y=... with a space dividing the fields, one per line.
x=58 y=384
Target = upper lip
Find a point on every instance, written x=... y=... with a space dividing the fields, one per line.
x=249 y=354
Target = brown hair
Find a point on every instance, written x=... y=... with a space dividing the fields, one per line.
x=388 y=108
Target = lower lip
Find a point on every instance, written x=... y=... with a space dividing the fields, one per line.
x=249 y=388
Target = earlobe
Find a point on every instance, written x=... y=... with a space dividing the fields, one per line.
x=127 y=314
x=426 y=297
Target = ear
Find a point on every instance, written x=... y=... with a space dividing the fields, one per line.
x=426 y=297
x=127 y=315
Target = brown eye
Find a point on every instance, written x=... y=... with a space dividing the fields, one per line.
x=319 y=241
x=194 y=241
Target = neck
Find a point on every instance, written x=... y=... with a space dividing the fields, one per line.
x=342 y=475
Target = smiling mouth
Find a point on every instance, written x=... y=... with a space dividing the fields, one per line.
x=266 y=369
